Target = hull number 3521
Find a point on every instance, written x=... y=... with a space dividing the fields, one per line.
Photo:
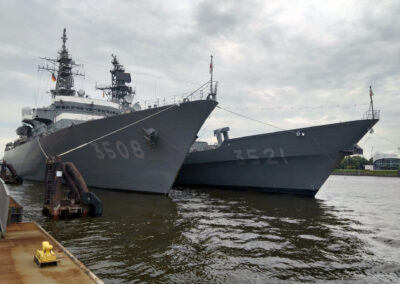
x=118 y=149
x=256 y=158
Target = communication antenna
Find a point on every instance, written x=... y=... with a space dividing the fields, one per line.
x=61 y=70
x=119 y=91
x=371 y=105
x=211 y=74
x=213 y=89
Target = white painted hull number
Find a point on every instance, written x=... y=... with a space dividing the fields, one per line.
x=251 y=156
x=119 y=149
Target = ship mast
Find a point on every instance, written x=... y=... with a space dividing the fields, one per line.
x=119 y=91
x=371 y=105
x=65 y=75
x=211 y=74
x=213 y=89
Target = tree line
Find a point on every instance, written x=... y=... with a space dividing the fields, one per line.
x=354 y=162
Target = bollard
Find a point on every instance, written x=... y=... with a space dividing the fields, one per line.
x=45 y=256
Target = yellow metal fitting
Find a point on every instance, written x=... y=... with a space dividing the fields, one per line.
x=46 y=255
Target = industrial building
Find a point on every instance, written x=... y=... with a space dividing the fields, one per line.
x=386 y=161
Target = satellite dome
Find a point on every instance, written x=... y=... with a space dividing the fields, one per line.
x=129 y=98
x=81 y=93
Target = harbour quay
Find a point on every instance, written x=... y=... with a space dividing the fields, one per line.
x=20 y=241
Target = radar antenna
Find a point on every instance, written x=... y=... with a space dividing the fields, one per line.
x=119 y=91
x=65 y=75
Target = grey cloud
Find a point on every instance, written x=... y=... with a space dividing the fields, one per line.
x=317 y=61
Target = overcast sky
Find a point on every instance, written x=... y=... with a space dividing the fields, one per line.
x=288 y=63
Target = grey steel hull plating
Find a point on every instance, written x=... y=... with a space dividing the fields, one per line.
x=124 y=160
x=282 y=162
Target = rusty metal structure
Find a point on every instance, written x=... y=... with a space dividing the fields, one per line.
x=15 y=212
x=72 y=200
x=8 y=174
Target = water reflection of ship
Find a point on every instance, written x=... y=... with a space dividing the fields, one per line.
x=286 y=237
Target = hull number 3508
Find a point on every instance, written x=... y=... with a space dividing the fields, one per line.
x=118 y=149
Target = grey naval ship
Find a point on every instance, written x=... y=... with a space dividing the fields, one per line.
x=114 y=143
x=296 y=161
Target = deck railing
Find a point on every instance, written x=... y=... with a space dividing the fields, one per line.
x=371 y=114
x=200 y=93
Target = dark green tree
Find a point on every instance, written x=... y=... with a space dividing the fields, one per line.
x=353 y=162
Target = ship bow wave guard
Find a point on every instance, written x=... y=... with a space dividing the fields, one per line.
x=114 y=143
x=295 y=161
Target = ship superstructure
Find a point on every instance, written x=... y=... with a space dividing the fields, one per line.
x=68 y=106
x=108 y=140
x=119 y=92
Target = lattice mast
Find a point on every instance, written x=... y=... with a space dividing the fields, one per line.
x=119 y=91
x=62 y=66
x=213 y=85
x=371 y=104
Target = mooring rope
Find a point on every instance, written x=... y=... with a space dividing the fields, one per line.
x=259 y=121
x=105 y=135
x=115 y=131
x=280 y=128
x=387 y=140
x=41 y=148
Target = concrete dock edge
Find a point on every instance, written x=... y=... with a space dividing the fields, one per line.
x=73 y=258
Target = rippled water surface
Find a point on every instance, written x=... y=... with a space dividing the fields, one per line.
x=349 y=233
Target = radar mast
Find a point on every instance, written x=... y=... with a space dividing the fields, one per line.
x=65 y=75
x=119 y=91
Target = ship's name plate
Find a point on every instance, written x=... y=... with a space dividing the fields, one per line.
x=116 y=149
x=257 y=157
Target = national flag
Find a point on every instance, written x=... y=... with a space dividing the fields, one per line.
x=53 y=77
x=371 y=93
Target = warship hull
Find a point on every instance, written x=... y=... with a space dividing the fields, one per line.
x=124 y=159
x=296 y=161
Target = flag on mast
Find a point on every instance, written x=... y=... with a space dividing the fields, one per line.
x=53 y=77
x=371 y=93
x=211 y=65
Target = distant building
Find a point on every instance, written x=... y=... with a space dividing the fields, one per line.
x=368 y=167
x=386 y=161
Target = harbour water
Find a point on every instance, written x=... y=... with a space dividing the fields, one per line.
x=349 y=233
